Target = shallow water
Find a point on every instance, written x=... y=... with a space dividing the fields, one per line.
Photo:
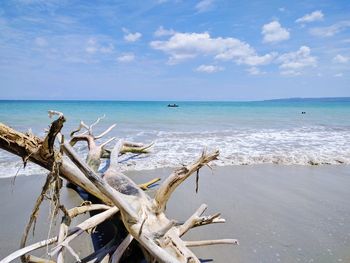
x=245 y=132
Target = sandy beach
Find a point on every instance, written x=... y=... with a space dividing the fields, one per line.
x=17 y=202
x=278 y=213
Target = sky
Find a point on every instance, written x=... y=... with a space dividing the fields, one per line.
x=174 y=49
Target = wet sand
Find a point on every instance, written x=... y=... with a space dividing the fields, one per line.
x=17 y=202
x=278 y=213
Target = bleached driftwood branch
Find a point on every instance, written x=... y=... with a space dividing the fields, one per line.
x=211 y=242
x=87 y=224
x=143 y=217
x=177 y=177
x=118 y=253
x=197 y=220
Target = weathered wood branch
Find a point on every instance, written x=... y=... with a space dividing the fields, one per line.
x=28 y=147
x=28 y=249
x=149 y=184
x=143 y=217
x=73 y=212
x=62 y=234
x=175 y=179
x=211 y=242
x=197 y=220
x=71 y=233
x=117 y=198
x=105 y=132
x=82 y=227
x=34 y=259
x=118 y=253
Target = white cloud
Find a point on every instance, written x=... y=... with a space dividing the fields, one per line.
x=161 y=31
x=290 y=73
x=38 y=2
x=209 y=68
x=314 y=16
x=131 y=37
x=341 y=59
x=204 y=5
x=107 y=49
x=329 y=31
x=93 y=47
x=41 y=42
x=255 y=71
x=127 y=57
x=184 y=46
x=293 y=63
x=338 y=75
x=274 y=32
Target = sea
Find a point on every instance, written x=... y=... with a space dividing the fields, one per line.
x=281 y=132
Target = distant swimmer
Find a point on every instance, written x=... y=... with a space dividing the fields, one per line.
x=303 y=112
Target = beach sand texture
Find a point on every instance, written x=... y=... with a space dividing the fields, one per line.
x=278 y=213
x=17 y=202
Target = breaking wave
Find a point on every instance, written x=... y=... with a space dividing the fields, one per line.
x=297 y=146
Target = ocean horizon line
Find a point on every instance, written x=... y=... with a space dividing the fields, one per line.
x=288 y=99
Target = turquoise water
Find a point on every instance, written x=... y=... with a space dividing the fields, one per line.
x=245 y=132
x=190 y=115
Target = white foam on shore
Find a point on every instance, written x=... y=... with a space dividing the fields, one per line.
x=298 y=146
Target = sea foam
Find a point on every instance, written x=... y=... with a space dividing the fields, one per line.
x=294 y=146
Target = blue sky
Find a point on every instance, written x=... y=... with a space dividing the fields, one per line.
x=174 y=50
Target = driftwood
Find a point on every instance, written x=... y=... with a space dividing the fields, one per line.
x=143 y=217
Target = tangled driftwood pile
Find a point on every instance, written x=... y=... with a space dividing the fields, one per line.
x=158 y=237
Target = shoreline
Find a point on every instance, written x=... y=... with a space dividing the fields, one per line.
x=39 y=171
x=278 y=213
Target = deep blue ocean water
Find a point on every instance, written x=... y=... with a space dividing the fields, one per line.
x=245 y=132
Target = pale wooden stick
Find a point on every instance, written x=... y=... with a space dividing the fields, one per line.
x=133 y=144
x=61 y=236
x=135 y=149
x=73 y=212
x=85 y=126
x=211 y=242
x=106 y=142
x=175 y=179
x=105 y=132
x=191 y=221
x=20 y=252
x=92 y=222
x=34 y=259
x=205 y=220
x=146 y=185
x=117 y=255
x=96 y=122
x=87 y=224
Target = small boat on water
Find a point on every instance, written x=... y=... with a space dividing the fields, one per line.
x=173 y=105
